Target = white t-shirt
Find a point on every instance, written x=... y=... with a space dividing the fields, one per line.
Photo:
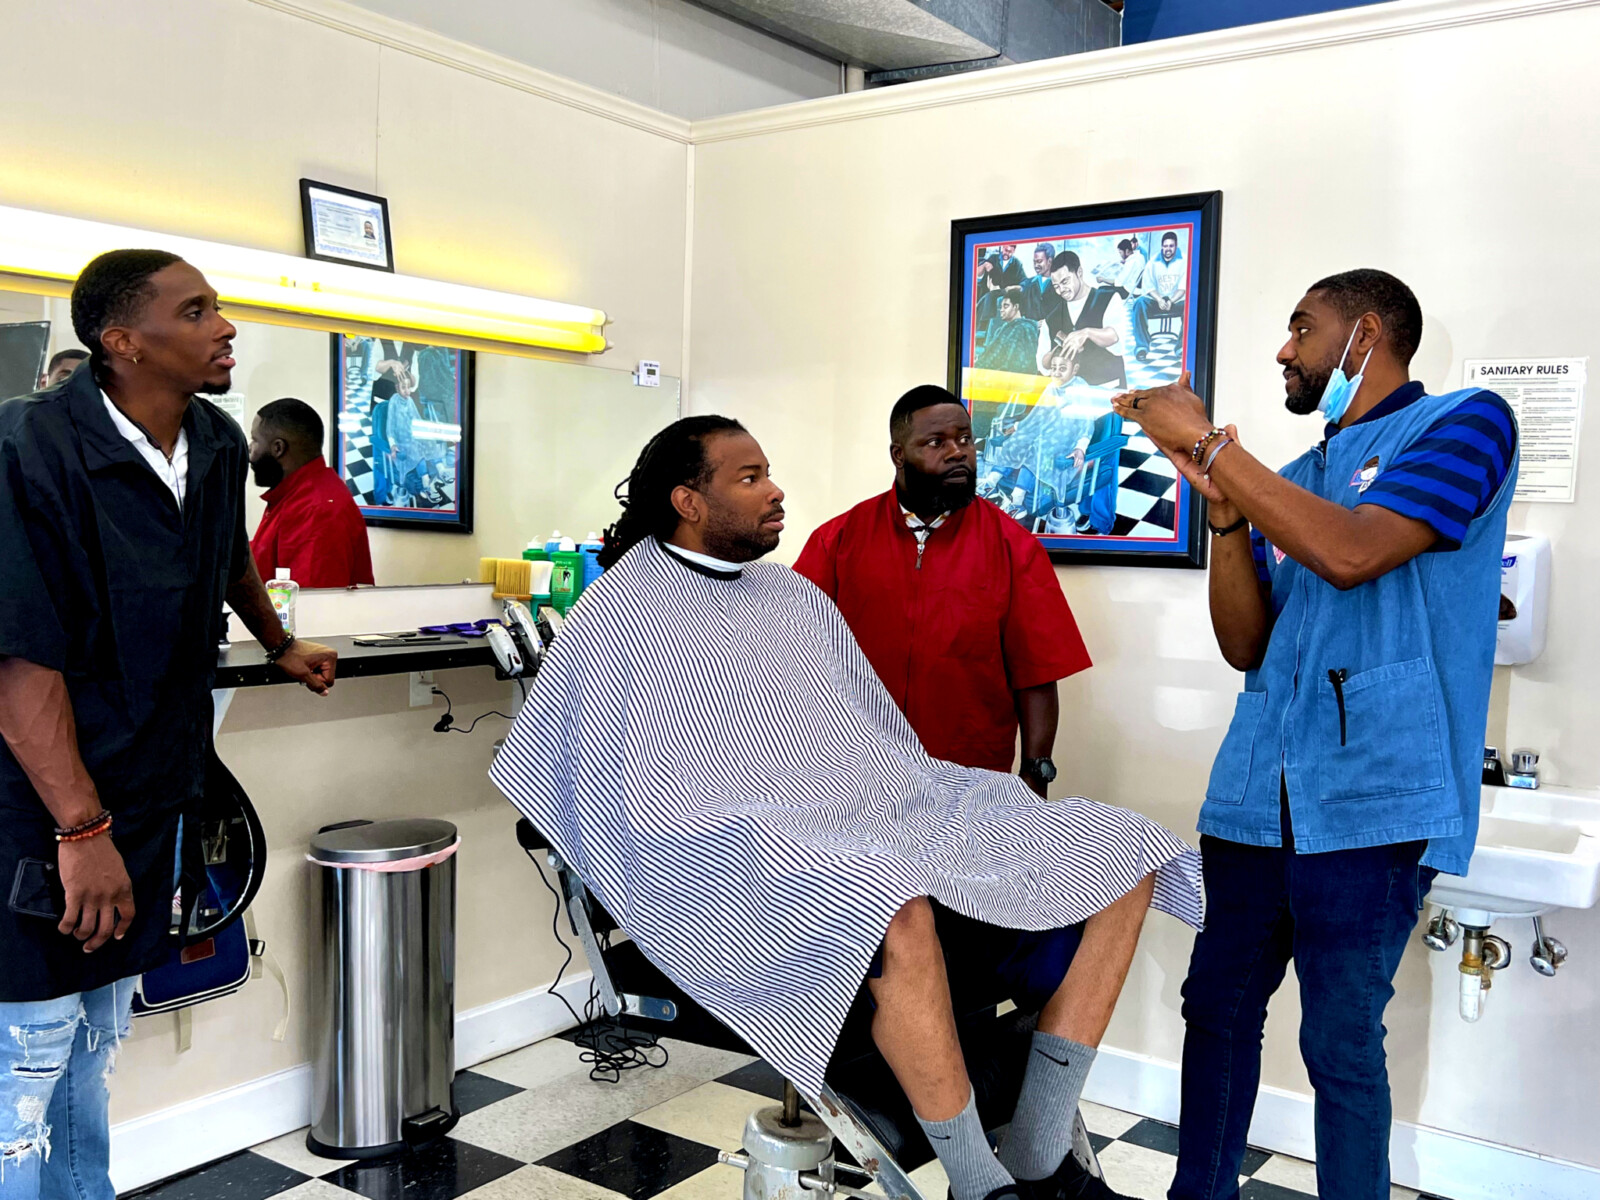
x=174 y=474
x=705 y=560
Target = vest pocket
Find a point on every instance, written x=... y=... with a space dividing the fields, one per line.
x=1379 y=732
x=1231 y=771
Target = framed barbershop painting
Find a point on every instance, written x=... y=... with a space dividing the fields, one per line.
x=1053 y=313
x=403 y=440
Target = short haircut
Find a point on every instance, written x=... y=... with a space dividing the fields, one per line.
x=1125 y=244
x=924 y=395
x=382 y=388
x=1046 y=247
x=1169 y=236
x=1367 y=290
x=113 y=290
x=70 y=355
x=1013 y=294
x=295 y=421
x=1066 y=259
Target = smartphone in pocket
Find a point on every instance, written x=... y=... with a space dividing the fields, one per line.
x=36 y=891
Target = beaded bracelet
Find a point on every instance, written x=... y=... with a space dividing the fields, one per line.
x=1200 y=446
x=88 y=829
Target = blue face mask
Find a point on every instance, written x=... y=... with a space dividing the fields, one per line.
x=1341 y=390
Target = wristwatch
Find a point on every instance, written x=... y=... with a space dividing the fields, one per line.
x=1042 y=769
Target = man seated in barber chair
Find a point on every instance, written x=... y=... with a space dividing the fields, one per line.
x=709 y=750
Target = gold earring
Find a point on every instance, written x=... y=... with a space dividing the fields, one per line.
x=136 y=360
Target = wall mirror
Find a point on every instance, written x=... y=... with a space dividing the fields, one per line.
x=551 y=439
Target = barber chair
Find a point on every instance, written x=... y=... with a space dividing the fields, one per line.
x=789 y=1150
x=1094 y=498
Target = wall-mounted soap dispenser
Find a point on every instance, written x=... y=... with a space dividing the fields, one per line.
x=1524 y=598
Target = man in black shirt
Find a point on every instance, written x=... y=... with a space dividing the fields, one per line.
x=122 y=533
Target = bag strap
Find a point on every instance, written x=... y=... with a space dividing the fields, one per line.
x=262 y=957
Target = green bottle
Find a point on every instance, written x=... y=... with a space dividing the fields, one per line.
x=566 y=579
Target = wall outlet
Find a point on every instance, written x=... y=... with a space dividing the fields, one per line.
x=648 y=374
x=421 y=689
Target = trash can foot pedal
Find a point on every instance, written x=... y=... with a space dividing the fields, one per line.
x=425 y=1127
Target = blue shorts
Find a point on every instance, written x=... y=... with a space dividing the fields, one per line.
x=988 y=964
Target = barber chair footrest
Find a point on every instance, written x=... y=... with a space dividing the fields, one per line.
x=649 y=1007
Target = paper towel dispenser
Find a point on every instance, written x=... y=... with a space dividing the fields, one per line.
x=1524 y=599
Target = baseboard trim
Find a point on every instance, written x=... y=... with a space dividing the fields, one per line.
x=1428 y=1159
x=198 y=1131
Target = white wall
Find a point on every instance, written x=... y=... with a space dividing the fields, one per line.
x=200 y=118
x=669 y=54
x=1458 y=158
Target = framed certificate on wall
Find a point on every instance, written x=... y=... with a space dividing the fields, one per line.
x=346 y=227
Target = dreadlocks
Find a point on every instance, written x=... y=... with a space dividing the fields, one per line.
x=675 y=457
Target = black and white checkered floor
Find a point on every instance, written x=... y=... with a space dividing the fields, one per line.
x=537 y=1128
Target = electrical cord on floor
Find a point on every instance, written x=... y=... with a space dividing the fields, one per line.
x=446 y=723
x=608 y=1047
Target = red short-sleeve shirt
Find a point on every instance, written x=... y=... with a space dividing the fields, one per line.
x=313 y=527
x=982 y=618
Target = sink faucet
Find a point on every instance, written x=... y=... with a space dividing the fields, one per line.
x=1524 y=769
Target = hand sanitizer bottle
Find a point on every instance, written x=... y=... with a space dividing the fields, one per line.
x=283 y=592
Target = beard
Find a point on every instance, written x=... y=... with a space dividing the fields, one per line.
x=926 y=493
x=266 y=471
x=1304 y=393
x=728 y=538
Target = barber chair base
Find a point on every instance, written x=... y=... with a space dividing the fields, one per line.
x=785 y=1161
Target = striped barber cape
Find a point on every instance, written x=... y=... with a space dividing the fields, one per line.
x=715 y=757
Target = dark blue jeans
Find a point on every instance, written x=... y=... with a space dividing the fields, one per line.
x=1344 y=917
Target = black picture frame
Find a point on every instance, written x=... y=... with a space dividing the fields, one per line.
x=372 y=211
x=420 y=478
x=1111 y=499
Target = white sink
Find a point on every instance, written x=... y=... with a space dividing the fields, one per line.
x=1537 y=849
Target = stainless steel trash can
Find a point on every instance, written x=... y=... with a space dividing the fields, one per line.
x=386 y=1043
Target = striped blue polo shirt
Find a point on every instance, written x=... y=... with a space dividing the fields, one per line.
x=1446 y=477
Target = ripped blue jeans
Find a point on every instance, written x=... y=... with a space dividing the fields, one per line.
x=55 y=1058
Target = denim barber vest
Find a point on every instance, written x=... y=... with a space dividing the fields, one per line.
x=1372 y=702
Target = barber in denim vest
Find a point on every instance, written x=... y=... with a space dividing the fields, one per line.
x=1361 y=604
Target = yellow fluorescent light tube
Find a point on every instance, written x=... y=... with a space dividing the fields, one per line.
x=45 y=246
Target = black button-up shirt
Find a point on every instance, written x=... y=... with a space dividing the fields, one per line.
x=107 y=581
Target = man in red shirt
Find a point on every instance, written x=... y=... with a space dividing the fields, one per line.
x=954 y=603
x=311 y=525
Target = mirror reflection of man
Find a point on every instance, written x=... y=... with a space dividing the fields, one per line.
x=122 y=534
x=1086 y=326
x=312 y=525
x=61 y=366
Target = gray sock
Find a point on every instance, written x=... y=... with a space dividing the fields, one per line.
x=1041 y=1131
x=964 y=1153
